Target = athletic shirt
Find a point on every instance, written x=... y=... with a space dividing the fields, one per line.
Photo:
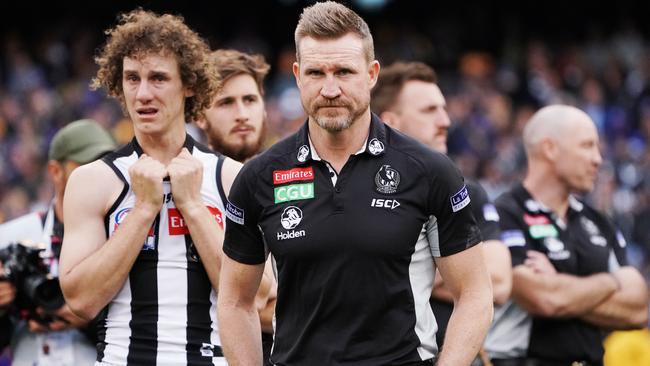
x=165 y=313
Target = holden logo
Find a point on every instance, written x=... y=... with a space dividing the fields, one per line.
x=303 y=151
x=387 y=179
x=291 y=217
x=375 y=147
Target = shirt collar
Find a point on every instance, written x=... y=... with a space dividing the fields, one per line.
x=533 y=205
x=375 y=144
x=188 y=143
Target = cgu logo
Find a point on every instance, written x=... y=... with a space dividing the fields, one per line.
x=294 y=192
x=384 y=203
x=177 y=225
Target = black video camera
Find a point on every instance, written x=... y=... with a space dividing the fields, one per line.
x=26 y=269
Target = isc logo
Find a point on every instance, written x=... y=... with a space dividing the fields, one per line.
x=384 y=203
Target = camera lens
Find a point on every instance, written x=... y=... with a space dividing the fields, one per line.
x=44 y=291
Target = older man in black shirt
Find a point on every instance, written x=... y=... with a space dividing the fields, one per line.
x=571 y=281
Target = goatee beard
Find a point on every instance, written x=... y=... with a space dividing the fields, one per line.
x=334 y=126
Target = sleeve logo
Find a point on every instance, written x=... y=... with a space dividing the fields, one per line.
x=513 y=238
x=460 y=200
x=234 y=213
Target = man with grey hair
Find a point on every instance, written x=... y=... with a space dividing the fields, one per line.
x=571 y=281
x=358 y=217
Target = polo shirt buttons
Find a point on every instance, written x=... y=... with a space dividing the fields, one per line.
x=337 y=189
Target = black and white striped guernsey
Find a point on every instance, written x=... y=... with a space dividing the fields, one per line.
x=165 y=313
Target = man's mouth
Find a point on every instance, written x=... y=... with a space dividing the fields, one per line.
x=146 y=111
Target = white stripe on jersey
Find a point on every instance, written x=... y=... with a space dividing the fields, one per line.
x=421 y=274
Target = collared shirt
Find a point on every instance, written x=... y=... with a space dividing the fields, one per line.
x=584 y=244
x=355 y=256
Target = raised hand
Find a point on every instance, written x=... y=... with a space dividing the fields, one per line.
x=147 y=175
x=186 y=177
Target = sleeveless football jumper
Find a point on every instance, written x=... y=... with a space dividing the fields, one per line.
x=165 y=313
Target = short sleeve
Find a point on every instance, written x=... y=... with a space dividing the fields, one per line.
x=454 y=228
x=243 y=240
x=484 y=211
x=512 y=231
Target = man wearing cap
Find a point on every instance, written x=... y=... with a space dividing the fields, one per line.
x=59 y=341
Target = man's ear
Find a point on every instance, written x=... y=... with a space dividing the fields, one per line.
x=373 y=72
x=390 y=118
x=201 y=122
x=55 y=171
x=549 y=149
x=296 y=73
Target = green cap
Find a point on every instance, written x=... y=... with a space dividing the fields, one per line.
x=81 y=141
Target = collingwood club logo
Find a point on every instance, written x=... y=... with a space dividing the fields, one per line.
x=375 y=147
x=303 y=151
x=387 y=179
x=290 y=219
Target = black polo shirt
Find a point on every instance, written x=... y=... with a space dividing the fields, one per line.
x=587 y=243
x=354 y=259
x=487 y=218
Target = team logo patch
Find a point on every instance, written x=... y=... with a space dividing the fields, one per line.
x=375 y=147
x=303 y=152
x=513 y=238
x=556 y=250
x=286 y=176
x=536 y=220
x=387 y=179
x=490 y=213
x=542 y=231
x=532 y=205
x=178 y=226
x=293 y=192
x=589 y=226
x=291 y=217
x=119 y=217
x=150 y=241
x=460 y=199
x=234 y=213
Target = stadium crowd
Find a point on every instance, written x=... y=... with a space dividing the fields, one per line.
x=44 y=84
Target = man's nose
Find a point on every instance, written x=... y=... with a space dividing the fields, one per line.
x=330 y=89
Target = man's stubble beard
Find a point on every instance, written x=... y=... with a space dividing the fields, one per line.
x=237 y=152
x=338 y=124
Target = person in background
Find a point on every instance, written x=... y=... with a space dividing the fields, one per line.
x=235 y=125
x=63 y=338
x=571 y=279
x=408 y=99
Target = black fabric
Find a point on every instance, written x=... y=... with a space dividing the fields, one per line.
x=343 y=256
x=267 y=345
x=487 y=219
x=582 y=246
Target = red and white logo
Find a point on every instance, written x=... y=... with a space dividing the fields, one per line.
x=177 y=225
x=536 y=220
x=286 y=176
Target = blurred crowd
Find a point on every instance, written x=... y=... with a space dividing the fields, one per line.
x=490 y=95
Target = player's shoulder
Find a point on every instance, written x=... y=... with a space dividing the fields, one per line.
x=588 y=211
x=281 y=154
